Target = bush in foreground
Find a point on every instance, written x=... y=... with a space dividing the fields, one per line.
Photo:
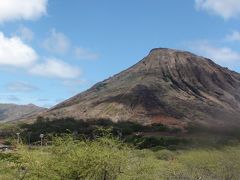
x=109 y=159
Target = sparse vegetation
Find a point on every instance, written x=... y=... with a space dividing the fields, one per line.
x=129 y=132
x=104 y=150
x=109 y=158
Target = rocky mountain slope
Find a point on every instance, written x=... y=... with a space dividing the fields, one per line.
x=168 y=86
x=12 y=112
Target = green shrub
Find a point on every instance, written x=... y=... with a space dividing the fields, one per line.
x=107 y=158
x=165 y=155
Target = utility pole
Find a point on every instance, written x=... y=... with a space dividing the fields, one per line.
x=29 y=138
x=41 y=136
x=18 y=138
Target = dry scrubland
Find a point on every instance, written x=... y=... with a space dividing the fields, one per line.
x=98 y=152
x=108 y=158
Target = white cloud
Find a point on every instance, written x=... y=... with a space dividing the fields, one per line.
x=235 y=36
x=13 y=52
x=55 y=68
x=224 y=56
x=25 y=33
x=12 y=98
x=22 y=9
x=21 y=87
x=224 y=8
x=82 y=53
x=57 y=42
x=9 y=98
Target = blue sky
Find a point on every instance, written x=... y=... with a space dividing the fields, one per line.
x=51 y=50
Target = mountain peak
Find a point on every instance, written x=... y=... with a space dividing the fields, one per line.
x=162 y=51
x=167 y=86
x=172 y=56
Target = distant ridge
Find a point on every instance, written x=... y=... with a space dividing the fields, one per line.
x=13 y=112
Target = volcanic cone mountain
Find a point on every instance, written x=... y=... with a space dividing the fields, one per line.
x=168 y=86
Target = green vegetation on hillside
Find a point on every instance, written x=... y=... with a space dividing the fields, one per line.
x=129 y=132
